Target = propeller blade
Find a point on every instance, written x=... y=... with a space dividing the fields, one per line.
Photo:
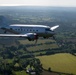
x=54 y=27
x=36 y=41
x=36 y=38
x=56 y=41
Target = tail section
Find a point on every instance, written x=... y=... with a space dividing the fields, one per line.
x=3 y=21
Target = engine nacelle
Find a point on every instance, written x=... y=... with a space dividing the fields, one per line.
x=32 y=36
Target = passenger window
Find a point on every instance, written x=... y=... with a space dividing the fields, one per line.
x=21 y=29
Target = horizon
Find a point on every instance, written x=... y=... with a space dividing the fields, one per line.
x=36 y=6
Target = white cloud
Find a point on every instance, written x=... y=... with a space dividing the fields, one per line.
x=39 y=2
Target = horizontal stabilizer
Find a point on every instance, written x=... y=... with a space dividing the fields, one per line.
x=54 y=27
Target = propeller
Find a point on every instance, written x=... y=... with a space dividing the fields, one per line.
x=54 y=37
x=36 y=41
x=36 y=37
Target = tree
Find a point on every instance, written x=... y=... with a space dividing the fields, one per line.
x=49 y=69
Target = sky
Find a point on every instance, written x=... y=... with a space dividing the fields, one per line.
x=61 y=3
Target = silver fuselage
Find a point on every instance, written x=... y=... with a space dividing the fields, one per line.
x=41 y=30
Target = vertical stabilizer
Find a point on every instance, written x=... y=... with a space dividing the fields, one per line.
x=3 y=21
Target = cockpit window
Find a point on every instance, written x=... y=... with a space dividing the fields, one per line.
x=47 y=29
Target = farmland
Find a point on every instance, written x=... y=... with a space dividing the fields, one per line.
x=40 y=41
x=41 y=44
x=62 y=62
x=58 y=55
x=21 y=73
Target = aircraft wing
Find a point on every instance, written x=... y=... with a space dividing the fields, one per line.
x=9 y=30
x=30 y=36
x=13 y=35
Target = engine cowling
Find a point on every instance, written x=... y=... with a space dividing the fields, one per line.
x=32 y=36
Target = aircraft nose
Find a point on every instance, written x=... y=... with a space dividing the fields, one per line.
x=53 y=33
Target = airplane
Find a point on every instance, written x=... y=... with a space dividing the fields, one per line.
x=31 y=32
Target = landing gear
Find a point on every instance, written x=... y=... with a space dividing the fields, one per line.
x=29 y=39
x=45 y=37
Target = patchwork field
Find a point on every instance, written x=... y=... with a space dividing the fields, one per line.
x=21 y=73
x=41 y=44
x=42 y=47
x=40 y=41
x=62 y=62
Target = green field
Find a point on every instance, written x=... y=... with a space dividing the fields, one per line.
x=42 y=47
x=21 y=73
x=41 y=44
x=63 y=62
x=40 y=41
